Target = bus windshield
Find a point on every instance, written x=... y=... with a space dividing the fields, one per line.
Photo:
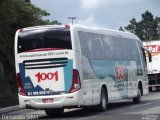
x=58 y=38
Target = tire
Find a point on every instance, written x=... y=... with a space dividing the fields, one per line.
x=150 y=89
x=103 y=101
x=137 y=99
x=54 y=111
x=157 y=88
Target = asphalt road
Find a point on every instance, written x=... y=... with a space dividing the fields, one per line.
x=148 y=109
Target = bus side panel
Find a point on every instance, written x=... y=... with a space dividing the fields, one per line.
x=119 y=76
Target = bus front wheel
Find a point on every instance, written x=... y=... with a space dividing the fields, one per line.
x=138 y=98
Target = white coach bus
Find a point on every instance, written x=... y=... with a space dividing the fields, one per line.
x=61 y=67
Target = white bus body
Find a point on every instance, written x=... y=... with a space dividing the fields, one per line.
x=74 y=66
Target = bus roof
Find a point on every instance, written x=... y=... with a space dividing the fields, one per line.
x=111 y=32
x=87 y=29
x=41 y=27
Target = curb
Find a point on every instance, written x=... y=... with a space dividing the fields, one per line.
x=9 y=109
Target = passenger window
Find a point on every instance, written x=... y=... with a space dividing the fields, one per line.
x=108 y=47
x=97 y=48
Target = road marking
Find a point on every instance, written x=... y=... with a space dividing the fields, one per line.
x=86 y=117
x=143 y=104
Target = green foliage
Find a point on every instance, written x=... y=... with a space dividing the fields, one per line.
x=132 y=26
x=139 y=30
x=149 y=26
x=121 y=28
x=146 y=29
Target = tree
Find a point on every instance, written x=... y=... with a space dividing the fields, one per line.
x=139 y=30
x=146 y=29
x=149 y=25
x=132 y=26
x=158 y=29
x=121 y=28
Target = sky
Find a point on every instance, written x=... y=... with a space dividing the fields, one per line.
x=98 y=13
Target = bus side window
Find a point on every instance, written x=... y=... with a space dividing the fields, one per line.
x=84 y=41
x=97 y=48
x=107 y=47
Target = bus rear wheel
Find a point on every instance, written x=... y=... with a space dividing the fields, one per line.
x=54 y=111
x=104 y=100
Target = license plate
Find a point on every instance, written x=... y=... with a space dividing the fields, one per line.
x=47 y=100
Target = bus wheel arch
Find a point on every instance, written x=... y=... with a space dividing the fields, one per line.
x=103 y=99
